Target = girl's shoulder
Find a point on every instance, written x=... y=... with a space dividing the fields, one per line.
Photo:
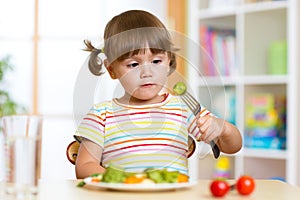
x=106 y=103
x=102 y=106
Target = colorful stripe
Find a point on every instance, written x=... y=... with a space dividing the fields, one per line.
x=139 y=137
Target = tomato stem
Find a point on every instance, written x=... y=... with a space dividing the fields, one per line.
x=232 y=187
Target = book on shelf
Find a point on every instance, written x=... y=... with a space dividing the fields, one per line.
x=224 y=105
x=218 y=56
x=266 y=121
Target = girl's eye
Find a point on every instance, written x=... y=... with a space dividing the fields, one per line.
x=157 y=61
x=133 y=65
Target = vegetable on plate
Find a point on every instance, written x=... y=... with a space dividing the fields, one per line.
x=114 y=174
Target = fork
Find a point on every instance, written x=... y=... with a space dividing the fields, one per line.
x=195 y=107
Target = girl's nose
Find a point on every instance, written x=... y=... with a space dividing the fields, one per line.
x=146 y=71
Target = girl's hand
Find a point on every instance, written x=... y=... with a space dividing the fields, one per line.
x=210 y=127
x=88 y=159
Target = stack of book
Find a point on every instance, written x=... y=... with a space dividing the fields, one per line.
x=217 y=51
x=266 y=121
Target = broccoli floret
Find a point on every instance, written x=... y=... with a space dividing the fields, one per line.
x=163 y=176
x=155 y=175
x=170 y=176
x=114 y=175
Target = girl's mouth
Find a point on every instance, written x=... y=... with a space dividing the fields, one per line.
x=147 y=85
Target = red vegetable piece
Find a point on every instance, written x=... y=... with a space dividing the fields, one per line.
x=219 y=188
x=245 y=185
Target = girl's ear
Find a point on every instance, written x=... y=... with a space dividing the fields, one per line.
x=170 y=64
x=110 y=69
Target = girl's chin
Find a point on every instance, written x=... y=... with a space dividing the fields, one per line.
x=150 y=98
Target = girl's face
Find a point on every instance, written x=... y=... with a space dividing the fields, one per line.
x=142 y=76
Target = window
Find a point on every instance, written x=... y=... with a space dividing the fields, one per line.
x=62 y=27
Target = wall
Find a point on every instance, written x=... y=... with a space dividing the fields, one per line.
x=62 y=27
x=298 y=89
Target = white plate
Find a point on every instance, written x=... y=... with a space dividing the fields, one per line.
x=138 y=187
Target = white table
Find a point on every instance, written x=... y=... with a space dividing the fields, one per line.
x=265 y=189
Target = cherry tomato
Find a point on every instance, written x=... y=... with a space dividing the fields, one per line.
x=245 y=185
x=219 y=188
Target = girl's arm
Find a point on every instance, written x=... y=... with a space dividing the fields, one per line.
x=88 y=159
x=225 y=134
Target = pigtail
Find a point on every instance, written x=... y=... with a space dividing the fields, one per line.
x=95 y=62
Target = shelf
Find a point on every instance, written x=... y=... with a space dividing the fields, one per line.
x=265 y=6
x=210 y=13
x=246 y=80
x=264 y=153
x=265 y=79
x=257 y=27
x=217 y=81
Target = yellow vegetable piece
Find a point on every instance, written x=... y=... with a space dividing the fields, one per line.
x=133 y=180
x=182 y=178
x=96 y=180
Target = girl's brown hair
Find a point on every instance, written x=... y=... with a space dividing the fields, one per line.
x=128 y=34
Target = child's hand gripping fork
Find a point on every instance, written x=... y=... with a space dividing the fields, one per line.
x=180 y=89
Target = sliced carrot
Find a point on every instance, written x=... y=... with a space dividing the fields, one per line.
x=96 y=180
x=182 y=178
x=133 y=180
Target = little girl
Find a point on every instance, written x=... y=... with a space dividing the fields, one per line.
x=144 y=128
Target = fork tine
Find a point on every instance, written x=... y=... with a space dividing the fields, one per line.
x=189 y=103
x=195 y=102
x=192 y=98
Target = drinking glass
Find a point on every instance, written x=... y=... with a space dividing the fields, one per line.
x=22 y=137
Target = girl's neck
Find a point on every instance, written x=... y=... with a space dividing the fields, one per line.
x=130 y=100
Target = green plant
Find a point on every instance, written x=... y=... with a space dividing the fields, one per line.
x=7 y=105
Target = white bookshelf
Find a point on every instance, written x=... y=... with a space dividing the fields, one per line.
x=256 y=25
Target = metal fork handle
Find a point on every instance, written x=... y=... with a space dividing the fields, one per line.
x=215 y=149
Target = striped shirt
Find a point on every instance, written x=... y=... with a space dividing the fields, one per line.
x=140 y=137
